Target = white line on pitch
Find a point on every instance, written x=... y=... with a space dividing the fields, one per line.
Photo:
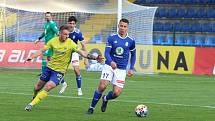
x=127 y=101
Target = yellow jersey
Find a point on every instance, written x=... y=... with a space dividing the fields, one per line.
x=62 y=52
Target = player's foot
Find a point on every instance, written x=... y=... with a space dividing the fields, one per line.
x=28 y=107
x=63 y=88
x=80 y=92
x=90 y=111
x=104 y=104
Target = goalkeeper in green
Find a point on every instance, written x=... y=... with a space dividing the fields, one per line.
x=50 y=31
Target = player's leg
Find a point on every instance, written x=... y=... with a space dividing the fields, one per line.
x=41 y=95
x=97 y=95
x=55 y=78
x=118 y=84
x=64 y=86
x=40 y=84
x=44 y=76
x=75 y=64
x=106 y=77
x=78 y=79
x=110 y=96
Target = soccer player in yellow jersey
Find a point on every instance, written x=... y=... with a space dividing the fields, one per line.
x=62 y=48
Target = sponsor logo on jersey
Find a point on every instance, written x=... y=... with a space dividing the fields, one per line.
x=119 y=50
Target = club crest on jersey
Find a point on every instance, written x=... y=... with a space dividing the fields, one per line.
x=119 y=50
x=73 y=37
x=126 y=44
x=115 y=41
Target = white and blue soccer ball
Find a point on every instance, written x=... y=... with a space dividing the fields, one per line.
x=141 y=110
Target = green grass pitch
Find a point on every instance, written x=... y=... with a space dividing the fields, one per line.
x=169 y=97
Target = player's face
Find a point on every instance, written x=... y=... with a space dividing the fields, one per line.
x=72 y=25
x=48 y=17
x=123 y=28
x=64 y=34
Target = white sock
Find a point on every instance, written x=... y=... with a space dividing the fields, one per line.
x=64 y=84
x=79 y=89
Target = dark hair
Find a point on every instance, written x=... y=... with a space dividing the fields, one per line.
x=48 y=13
x=64 y=27
x=124 y=20
x=72 y=18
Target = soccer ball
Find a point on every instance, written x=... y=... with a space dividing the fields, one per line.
x=141 y=110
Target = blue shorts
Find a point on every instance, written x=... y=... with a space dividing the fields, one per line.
x=51 y=75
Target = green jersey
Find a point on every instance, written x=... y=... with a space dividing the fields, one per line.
x=50 y=31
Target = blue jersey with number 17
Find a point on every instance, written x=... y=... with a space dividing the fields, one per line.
x=120 y=49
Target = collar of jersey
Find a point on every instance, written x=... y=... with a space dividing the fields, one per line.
x=122 y=37
x=73 y=30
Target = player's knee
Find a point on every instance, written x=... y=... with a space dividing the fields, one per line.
x=102 y=87
x=77 y=71
x=37 y=87
x=48 y=87
x=116 y=93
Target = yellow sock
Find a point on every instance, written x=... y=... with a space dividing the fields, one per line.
x=41 y=95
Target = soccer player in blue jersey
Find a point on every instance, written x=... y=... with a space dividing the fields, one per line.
x=77 y=36
x=118 y=48
x=62 y=48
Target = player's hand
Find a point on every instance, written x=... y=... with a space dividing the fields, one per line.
x=113 y=65
x=130 y=73
x=100 y=58
x=28 y=59
x=36 y=41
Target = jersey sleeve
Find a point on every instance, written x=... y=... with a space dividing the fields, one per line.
x=133 y=55
x=81 y=36
x=133 y=46
x=54 y=28
x=42 y=35
x=108 y=50
x=109 y=42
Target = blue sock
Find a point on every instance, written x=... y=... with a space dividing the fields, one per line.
x=110 y=96
x=96 y=97
x=78 y=81
x=62 y=81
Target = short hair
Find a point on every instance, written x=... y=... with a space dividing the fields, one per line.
x=124 y=20
x=48 y=13
x=72 y=18
x=64 y=27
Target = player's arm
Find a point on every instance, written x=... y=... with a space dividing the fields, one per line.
x=132 y=59
x=36 y=54
x=87 y=55
x=39 y=38
x=83 y=46
x=54 y=28
x=81 y=39
x=39 y=52
x=107 y=54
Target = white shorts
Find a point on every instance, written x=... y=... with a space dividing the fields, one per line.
x=116 y=77
x=75 y=59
